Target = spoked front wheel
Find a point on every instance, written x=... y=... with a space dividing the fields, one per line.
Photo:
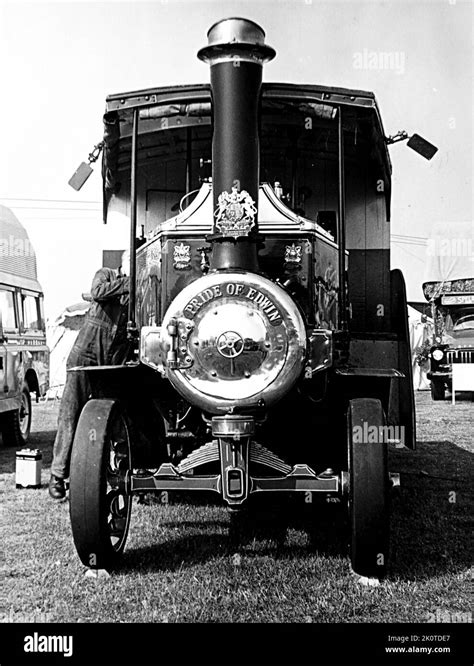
x=368 y=487
x=99 y=504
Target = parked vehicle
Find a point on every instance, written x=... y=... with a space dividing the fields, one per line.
x=453 y=313
x=272 y=350
x=449 y=288
x=24 y=355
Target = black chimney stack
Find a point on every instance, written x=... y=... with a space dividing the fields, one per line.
x=236 y=52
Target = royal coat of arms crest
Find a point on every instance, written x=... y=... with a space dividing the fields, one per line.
x=235 y=213
x=293 y=254
x=181 y=256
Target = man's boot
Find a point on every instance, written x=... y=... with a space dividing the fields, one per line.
x=57 y=489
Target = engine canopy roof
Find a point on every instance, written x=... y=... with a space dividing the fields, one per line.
x=184 y=95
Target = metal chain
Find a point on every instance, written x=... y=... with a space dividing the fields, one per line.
x=96 y=151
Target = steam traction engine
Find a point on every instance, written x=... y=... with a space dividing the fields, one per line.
x=269 y=341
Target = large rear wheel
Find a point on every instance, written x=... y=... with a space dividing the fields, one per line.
x=99 y=504
x=368 y=487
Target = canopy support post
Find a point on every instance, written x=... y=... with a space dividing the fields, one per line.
x=132 y=331
x=341 y=224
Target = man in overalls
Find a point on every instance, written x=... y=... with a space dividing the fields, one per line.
x=101 y=341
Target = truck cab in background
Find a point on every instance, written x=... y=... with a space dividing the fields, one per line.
x=453 y=315
x=449 y=288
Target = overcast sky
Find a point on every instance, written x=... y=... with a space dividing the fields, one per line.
x=59 y=60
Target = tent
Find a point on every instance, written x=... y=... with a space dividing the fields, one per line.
x=61 y=335
x=450 y=260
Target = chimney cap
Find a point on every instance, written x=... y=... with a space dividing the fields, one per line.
x=236 y=37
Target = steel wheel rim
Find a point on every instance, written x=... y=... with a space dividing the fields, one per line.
x=24 y=415
x=118 y=502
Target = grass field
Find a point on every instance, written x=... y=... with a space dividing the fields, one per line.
x=292 y=566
